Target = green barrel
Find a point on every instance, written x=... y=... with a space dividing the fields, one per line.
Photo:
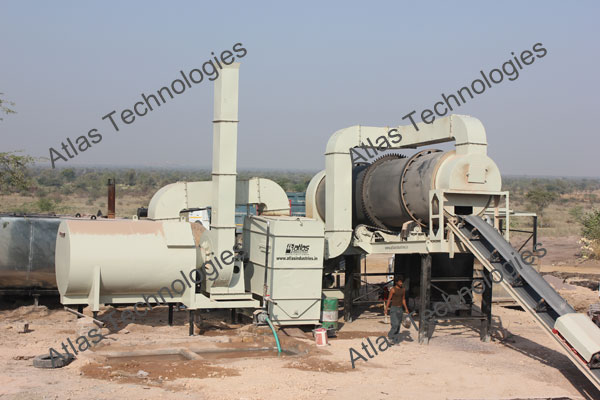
x=330 y=313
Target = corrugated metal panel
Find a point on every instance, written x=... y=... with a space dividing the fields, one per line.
x=27 y=252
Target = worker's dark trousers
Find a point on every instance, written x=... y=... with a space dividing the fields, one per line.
x=395 y=319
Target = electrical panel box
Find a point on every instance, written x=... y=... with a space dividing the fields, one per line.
x=293 y=262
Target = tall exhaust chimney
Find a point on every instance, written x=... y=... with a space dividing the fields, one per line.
x=224 y=163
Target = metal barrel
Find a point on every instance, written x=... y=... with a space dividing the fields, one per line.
x=330 y=313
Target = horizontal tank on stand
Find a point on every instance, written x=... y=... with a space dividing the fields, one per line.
x=112 y=260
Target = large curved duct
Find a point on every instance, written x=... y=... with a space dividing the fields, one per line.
x=468 y=169
x=315 y=192
x=267 y=194
x=168 y=201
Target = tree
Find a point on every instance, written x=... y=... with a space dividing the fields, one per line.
x=45 y=204
x=540 y=199
x=68 y=174
x=13 y=171
x=591 y=225
x=591 y=235
x=13 y=167
x=4 y=106
x=130 y=177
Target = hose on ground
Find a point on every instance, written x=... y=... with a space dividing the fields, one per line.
x=274 y=334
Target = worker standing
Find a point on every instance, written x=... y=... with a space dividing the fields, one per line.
x=397 y=301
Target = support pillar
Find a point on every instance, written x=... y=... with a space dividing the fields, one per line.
x=352 y=263
x=535 y=224
x=424 y=298
x=80 y=310
x=538 y=268
x=170 y=314
x=486 y=306
x=191 y=331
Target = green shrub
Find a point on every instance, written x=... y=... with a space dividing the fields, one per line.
x=68 y=174
x=576 y=212
x=45 y=204
x=591 y=225
x=540 y=199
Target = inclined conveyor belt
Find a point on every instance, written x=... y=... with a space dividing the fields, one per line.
x=578 y=336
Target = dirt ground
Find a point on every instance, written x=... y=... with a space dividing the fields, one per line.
x=521 y=361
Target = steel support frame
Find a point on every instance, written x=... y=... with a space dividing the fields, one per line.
x=351 y=284
x=486 y=306
x=426 y=323
x=424 y=298
x=533 y=233
x=437 y=198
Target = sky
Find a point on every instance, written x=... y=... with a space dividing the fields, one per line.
x=311 y=69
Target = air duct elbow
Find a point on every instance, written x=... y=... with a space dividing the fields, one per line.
x=167 y=203
x=169 y=200
x=267 y=194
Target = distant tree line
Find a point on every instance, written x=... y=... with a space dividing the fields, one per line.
x=520 y=186
x=539 y=193
x=136 y=182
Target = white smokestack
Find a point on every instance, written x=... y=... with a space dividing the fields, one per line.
x=224 y=167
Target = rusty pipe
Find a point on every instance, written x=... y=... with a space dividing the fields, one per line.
x=111 y=198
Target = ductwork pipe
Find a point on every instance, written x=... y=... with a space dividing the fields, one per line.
x=169 y=200
x=224 y=169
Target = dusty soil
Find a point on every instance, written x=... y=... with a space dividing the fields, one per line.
x=521 y=361
x=159 y=371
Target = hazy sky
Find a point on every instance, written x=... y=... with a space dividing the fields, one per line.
x=310 y=69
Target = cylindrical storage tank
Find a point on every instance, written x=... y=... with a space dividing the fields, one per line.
x=133 y=257
x=330 y=313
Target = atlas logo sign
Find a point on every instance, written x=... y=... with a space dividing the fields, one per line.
x=297 y=248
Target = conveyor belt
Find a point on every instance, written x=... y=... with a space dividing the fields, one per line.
x=575 y=333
